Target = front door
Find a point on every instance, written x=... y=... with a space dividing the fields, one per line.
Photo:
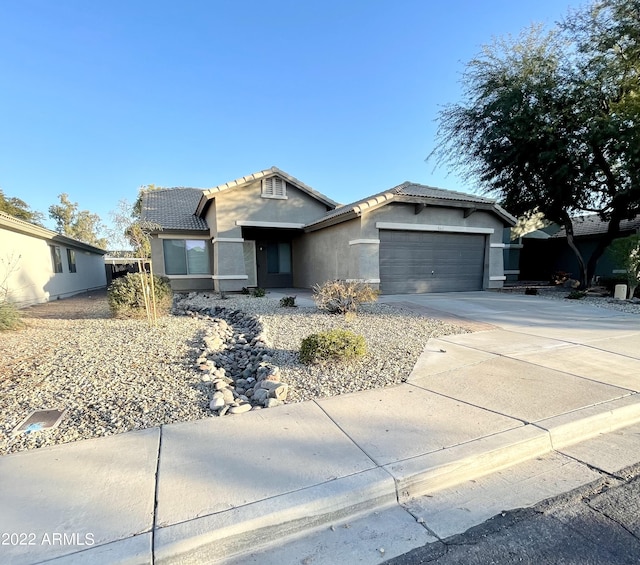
x=274 y=264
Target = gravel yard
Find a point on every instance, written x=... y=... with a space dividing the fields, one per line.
x=111 y=376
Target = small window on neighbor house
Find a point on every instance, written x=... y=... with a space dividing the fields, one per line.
x=71 y=260
x=274 y=187
x=56 y=259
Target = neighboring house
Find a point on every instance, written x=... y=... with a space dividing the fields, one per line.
x=271 y=230
x=550 y=253
x=38 y=265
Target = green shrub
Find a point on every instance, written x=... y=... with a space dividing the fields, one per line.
x=340 y=297
x=127 y=301
x=531 y=291
x=258 y=292
x=576 y=294
x=332 y=345
x=245 y=290
x=288 y=302
x=10 y=318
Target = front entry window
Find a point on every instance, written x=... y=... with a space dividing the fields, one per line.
x=185 y=257
x=279 y=258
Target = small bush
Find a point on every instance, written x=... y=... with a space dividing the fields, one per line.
x=245 y=290
x=10 y=318
x=559 y=277
x=126 y=299
x=340 y=297
x=333 y=345
x=258 y=292
x=531 y=291
x=288 y=302
x=576 y=295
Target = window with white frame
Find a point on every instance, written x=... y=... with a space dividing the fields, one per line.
x=186 y=257
x=274 y=187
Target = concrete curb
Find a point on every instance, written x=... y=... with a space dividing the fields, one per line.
x=448 y=467
x=221 y=535
x=240 y=530
x=574 y=427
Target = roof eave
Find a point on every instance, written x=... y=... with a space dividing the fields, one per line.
x=209 y=194
x=20 y=226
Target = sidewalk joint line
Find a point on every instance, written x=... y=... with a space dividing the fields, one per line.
x=155 y=500
x=346 y=434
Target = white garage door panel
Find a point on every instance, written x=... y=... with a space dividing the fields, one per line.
x=412 y=262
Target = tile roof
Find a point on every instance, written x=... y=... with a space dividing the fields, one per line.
x=410 y=189
x=592 y=224
x=413 y=189
x=174 y=208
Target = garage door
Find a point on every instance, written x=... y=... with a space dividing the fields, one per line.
x=412 y=262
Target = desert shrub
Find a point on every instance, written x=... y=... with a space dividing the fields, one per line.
x=559 y=278
x=531 y=291
x=340 y=297
x=127 y=301
x=288 y=302
x=333 y=345
x=245 y=290
x=258 y=292
x=10 y=318
x=576 y=295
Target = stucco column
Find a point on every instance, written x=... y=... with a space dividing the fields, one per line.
x=229 y=272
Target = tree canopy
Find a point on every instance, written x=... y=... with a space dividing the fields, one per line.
x=18 y=209
x=78 y=224
x=129 y=228
x=550 y=121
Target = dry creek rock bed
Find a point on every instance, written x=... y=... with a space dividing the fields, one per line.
x=212 y=357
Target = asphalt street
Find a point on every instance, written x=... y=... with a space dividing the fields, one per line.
x=596 y=524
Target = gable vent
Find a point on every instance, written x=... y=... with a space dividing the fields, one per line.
x=274 y=187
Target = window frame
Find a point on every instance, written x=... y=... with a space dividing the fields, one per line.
x=71 y=260
x=56 y=258
x=188 y=270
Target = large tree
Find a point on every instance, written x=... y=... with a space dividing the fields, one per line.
x=550 y=121
x=18 y=209
x=129 y=230
x=78 y=224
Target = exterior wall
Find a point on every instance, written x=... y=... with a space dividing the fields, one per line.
x=33 y=280
x=247 y=205
x=403 y=213
x=325 y=254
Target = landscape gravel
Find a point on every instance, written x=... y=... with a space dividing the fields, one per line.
x=112 y=376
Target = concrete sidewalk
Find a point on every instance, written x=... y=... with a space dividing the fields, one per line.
x=543 y=384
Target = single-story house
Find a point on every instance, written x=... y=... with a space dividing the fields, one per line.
x=271 y=230
x=548 y=252
x=39 y=265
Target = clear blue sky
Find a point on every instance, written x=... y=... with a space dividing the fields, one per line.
x=100 y=97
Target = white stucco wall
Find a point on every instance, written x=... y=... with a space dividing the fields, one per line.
x=25 y=263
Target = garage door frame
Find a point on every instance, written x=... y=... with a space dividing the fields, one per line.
x=443 y=230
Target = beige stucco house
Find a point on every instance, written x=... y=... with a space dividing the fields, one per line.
x=38 y=265
x=271 y=230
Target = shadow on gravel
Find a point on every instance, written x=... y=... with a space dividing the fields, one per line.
x=85 y=306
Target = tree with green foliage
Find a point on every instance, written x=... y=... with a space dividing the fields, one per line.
x=18 y=208
x=129 y=229
x=78 y=224
x=550 y=121
x=626 y=252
